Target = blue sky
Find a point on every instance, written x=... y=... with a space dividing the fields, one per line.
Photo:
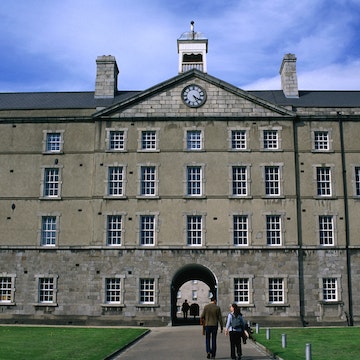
x=49 y=45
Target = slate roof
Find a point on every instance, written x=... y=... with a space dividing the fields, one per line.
x=58 y=100
x=86 y=100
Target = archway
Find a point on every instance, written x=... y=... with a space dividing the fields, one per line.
x=187 y=273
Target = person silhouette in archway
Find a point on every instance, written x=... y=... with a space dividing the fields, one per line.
x=185 y=308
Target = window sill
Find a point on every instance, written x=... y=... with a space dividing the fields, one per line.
x=147 y=306
x=112 y=305
x=47 y=198
x=4 y=303
x=45 y=305
x=277 y=305
x=115 y=197
x=331 y=303
x=149 y=197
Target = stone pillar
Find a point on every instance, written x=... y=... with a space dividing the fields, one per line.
x=289 y=83
x=106 y=77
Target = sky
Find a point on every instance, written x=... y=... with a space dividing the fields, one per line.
x=52 y=45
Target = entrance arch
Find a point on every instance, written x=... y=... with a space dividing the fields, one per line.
x=187 y=273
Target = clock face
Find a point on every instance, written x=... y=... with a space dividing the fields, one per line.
x=193 y=95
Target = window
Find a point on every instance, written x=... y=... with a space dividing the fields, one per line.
x=47 y=290
x=329 y=289
x=114 y=230
x=270 y=139
x=321 y=141
x=194 y=230
x=148 y=181
x=238 y=139
x=239 y=181
x=7 y=289
x=194 y=295
x=48 y=230
x=241 y=291
x=194 y=140
x=240 y=229
x=357 y=180
x=116 y=140
x=326 y=230
x=147 y=230
x=53 y=142
x=147 y=291
x=148 y=140
x=113 y=290
x=272 y=180
x=116 y=181
x=273 y=230
x=51 y=187
x=276 y=291
x=194 y=181
x=323 y=181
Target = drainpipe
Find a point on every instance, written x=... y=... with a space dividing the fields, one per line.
x=350 y=319
x=299 y=225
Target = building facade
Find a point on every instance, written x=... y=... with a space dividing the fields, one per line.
x=111 y=200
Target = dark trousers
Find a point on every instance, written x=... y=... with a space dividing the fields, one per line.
x=210 y=337
x=235 y=344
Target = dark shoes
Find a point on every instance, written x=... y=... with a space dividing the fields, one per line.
x=208 y=355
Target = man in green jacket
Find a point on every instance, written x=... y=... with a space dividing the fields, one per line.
x=211 y=317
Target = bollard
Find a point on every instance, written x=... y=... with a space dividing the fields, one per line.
x=283 y=341
x=308 y=352
x=267 y=334
x=257 y=328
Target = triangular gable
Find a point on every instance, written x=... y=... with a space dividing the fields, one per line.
x=164 y=100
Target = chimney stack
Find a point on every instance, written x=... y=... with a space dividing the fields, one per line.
x=289 y=83
x=106 y=77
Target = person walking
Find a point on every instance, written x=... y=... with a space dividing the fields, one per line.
x=185 y=309
x=211 y=317
x=234 y=327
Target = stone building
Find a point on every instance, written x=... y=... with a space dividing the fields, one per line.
x=111 y=200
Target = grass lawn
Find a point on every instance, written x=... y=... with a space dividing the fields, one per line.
x=326 y=343
x=63 y=343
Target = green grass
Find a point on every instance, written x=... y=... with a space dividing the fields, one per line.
x=326 y=343
x=63 y=343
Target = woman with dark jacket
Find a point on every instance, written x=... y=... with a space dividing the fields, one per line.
x=234 y=327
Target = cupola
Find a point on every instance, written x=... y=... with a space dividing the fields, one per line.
x=192 y=49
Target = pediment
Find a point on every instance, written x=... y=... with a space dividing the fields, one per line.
x=165 y=101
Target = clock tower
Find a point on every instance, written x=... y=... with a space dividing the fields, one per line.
x=192 y=49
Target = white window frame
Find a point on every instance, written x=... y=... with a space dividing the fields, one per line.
x=148 y=183
x=277 y=290
x=245 y=238
x=7 y=289
x=115 y=236
x=275 y=182
x=326 y=226
x=47 y=233
x=58 y=144
x=238 y=139
x=321 y=140
x=50 y=292
x=148 y=291
x=121 y=143
x=330 y=291
x=274 y=231
x=149 y=144
x=114 y=292
x=196 y=142
x=148 y=235
x=272 y=143
x=192 y=238
x=121 y=184
x=242 y=183
x=324 y=181
x=51 y=182
x=242 y=289
x=356 y=181
x=193 y=182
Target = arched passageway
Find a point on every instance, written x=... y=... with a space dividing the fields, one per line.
x=187 y=273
